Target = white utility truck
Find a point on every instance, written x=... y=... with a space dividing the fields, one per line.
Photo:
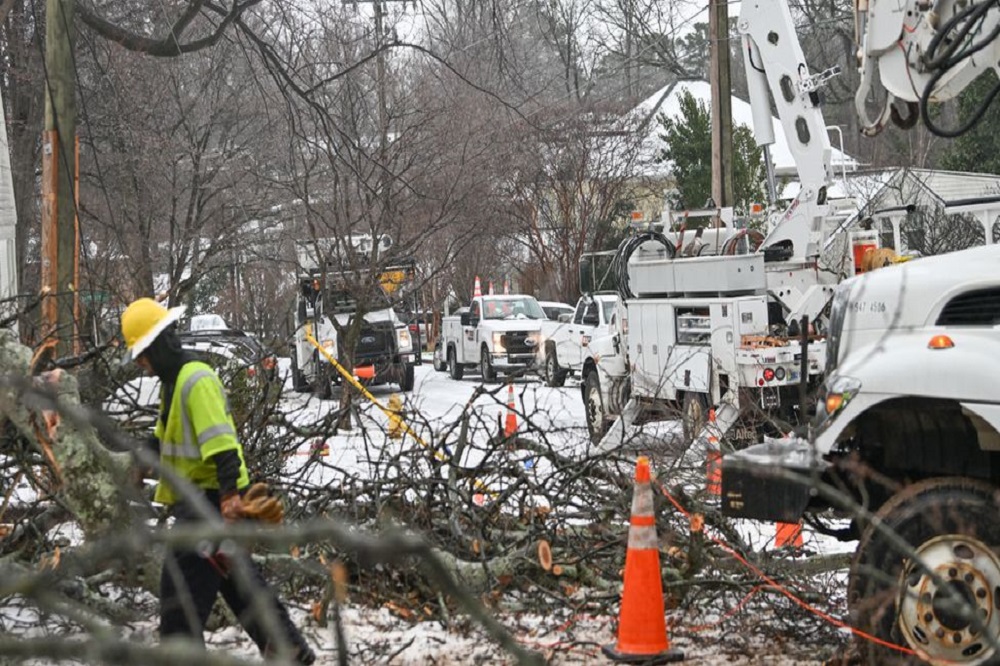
x=565 y=342
x=713 y=318
x=498 y=334
x=906 y=436
x=334 y=276
x=908 y=426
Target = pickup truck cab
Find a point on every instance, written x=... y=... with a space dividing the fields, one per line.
x=500 y=334
x=564 y=345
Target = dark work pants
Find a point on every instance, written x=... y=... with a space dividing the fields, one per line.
x=192 y=580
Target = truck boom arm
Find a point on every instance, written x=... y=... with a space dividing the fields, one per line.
x=922 y=51
x=774 y=63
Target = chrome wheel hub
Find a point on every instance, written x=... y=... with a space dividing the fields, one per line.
x=947 y=619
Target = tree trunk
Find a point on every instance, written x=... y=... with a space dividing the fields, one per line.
x=89 y=480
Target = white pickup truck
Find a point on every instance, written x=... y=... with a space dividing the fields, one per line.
x=498 y=333
x=564 y=342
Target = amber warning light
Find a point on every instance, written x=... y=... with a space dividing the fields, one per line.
x=940 y=342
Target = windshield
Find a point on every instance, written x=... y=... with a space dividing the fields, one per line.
x=512 y=307
x=608 y=307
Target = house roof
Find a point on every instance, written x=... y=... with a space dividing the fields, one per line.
x=667 y=100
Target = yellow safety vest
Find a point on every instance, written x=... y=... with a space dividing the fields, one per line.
x=199 y=426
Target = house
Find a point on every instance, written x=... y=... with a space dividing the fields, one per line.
x=928 y=212
x=667 y=101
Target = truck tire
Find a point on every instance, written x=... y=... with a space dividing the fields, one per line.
x=455 y=369
x=406 y=381
x=594 y=407
x=440 y=365
x=299 y=383
x=554 y=375
x=948 y=524
x=323 y=384
x=486 y=366
x=694 y=414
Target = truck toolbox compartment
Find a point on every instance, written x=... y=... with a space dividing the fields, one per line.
x=698 y=275
x=758 y=482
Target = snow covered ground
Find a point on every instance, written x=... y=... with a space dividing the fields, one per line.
x=717 y=629
x=564 y=637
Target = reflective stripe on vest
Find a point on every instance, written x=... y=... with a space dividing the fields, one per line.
x=188 y=448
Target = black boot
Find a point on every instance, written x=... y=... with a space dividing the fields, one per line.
x=305 y=655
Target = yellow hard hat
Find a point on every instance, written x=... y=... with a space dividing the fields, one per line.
x=145 y=319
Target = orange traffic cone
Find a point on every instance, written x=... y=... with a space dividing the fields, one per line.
x=510 y=423
x=713 y=459
x=642 y=627
x=788 y=535
x=491 y=288
x=477 y=288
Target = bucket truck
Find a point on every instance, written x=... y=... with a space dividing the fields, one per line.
x=724 y=329
x=905 y=441
x=332 y=274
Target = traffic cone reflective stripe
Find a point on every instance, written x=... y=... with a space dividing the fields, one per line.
x=788 y=535
x=713 y=459
x=510 y=422
x=642 y=627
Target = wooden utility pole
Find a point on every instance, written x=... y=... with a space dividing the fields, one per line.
x=722 y=103
x=60 y=235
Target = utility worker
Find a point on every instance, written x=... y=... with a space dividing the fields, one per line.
x=196 y=438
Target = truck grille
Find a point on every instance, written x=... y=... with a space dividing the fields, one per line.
x=374 y=341
x=516 y=342
x=974 y=308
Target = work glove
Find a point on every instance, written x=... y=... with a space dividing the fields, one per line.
x=231 y=507
x=260 y=505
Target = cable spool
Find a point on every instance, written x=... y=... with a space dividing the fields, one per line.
x=619 y=265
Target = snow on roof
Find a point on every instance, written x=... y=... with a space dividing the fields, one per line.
x=888 y=185
x=667 y=100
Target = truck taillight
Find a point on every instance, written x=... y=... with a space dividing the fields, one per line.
x=251 y=372
x=268 y=362
x=768 y=375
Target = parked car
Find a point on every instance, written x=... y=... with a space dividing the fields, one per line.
x=553 y=309
x=232 y=350
x=418 y=322
x=243 y=364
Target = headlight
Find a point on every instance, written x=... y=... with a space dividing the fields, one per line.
x=404 y=339
x=840 y=392
x=498 y=342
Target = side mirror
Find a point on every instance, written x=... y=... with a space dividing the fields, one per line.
x=591 y=319
x=466 y=319
x=566 y=317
